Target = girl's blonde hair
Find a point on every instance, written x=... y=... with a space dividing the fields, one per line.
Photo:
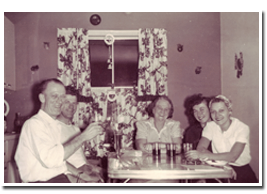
x=221 y=98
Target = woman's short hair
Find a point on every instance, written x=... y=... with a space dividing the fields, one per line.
x=152 y=105
x=190 y=102
x=221 y=98
x=197 y=99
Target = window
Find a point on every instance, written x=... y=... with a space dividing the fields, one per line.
x=125 y=55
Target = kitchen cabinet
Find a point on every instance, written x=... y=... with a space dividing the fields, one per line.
x=11 y=174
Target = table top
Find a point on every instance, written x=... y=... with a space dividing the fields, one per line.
x=148 y=166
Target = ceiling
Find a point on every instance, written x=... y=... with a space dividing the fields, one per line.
x=14 y=17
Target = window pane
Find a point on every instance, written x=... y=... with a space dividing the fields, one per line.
x=125 y=62
x=99 y=54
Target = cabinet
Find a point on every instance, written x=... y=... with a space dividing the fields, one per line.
x=11 y=174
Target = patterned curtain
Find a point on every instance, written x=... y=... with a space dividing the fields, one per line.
x=153 y=71
x=74 y=70
x=74 y=66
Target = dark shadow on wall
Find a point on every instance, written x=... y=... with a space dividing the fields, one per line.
x=35 y=99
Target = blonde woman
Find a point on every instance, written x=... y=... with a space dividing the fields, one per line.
x=229 y=138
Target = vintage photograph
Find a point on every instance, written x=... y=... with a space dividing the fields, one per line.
x=132 y=98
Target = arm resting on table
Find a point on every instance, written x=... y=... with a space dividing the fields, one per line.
x=231 y=156
x=203 y=145
x=140 y=145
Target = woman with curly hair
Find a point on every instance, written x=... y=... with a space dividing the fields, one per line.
x=197 y=110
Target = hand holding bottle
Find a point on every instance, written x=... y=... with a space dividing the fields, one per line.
x=93 y=130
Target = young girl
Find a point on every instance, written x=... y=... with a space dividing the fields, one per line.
x=229 y=138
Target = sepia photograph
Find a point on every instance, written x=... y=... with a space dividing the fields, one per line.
x=133 y=98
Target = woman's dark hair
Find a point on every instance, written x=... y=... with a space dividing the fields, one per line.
x=152 y=105
x=190 y=102
x=197 y=99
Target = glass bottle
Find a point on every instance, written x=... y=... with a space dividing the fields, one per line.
x=5 y=120
x=17 y=123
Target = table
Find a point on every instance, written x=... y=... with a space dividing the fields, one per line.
x=163 y=167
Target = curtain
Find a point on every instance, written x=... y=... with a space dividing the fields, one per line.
x=74 y=66
x=74 y=70
x=153 y=71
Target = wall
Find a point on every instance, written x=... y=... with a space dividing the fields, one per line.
x=9 y=59
x=26 y=54
x=240 y=33
x=198 y=32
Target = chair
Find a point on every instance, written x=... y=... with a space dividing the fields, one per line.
x=12 y=173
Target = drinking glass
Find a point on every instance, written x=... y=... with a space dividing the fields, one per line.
x=117 y=141
x=171 y=149
x=187 y=147
x=113 y=161
x=178 y=148
x=156 y=149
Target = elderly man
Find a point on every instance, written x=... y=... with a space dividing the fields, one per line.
x=40 y=155
x=76 y=163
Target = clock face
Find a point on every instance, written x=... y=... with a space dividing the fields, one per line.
x=95 y=19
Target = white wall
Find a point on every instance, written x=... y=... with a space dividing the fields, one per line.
x=240 y=33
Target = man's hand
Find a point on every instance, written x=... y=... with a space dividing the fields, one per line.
x=93 y=130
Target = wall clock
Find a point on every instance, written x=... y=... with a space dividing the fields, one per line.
x=95 y=19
